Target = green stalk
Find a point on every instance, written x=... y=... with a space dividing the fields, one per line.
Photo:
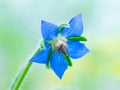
x=19 y=79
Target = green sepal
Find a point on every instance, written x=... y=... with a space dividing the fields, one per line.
x=61 y=27
x=48 y=65
x=48 y=62
x=48 y=41
x=42 y=45
x=78 y=38
x=68 y=60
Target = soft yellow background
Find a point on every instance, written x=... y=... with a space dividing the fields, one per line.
x=20 y=36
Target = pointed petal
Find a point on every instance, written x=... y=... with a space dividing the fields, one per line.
x=42 y=56
x=49 y=31
x=76 y=49
x=75 y=27
x=58 y=63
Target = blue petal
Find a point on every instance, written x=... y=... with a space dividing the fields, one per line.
x=49 y=31
x=58 y=63
x=75 y=27
x=76 y=49
x=42 y=56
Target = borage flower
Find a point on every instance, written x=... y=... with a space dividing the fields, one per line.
x=60 y=43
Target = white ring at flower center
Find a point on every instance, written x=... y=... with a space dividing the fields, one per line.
x=58 y=41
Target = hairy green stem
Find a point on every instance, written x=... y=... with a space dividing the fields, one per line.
x=19 y=79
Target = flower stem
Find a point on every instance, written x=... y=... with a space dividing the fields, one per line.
x=18 y=81
x=21 y=78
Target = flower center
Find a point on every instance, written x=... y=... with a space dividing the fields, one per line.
x=60 y=44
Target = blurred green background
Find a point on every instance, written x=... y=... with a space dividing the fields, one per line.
x=20 y=36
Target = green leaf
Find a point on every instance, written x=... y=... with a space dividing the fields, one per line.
x=78 y=38
x=68 y=60
x=61 y=27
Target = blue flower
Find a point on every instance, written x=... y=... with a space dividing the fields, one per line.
x=60 y=43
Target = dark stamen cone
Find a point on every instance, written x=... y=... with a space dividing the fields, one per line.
x=63 y=49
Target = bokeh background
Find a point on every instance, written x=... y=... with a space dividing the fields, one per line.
x=20 y=36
